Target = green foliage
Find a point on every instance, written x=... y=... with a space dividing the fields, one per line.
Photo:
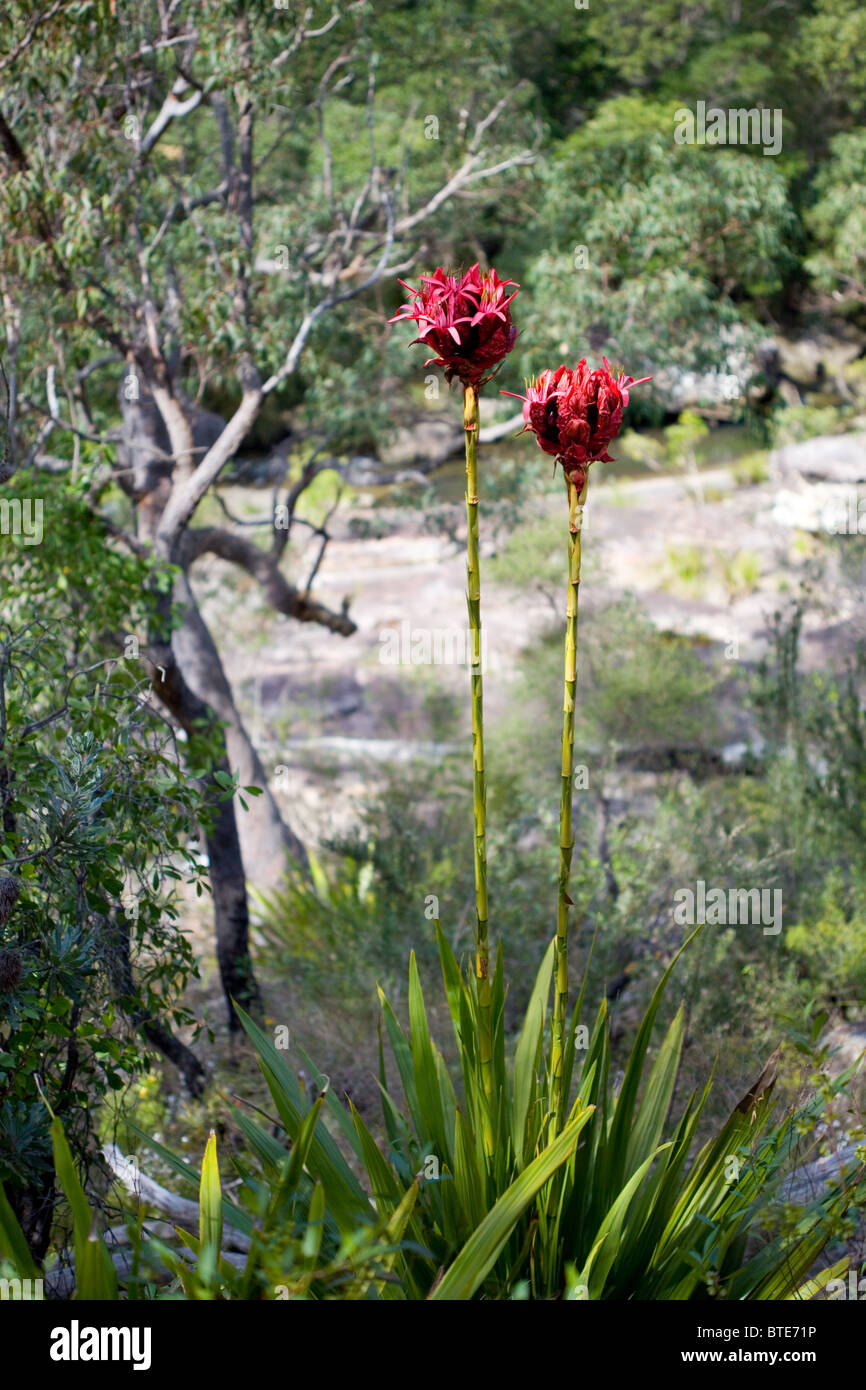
x=623 y=1195
x=819 y=721
x=655 y=39
x=635 y=678
x=683 y=437
x=751 y=469
x=831 y=37
x=832 y=948
x=380 y=888
x=96 y=819
x=741 y=571
x=685 y=246
x=795 y=423
x=96 y=1278
x=293 y=1252
x=530 y=555
x=662 y=247
x=197 y=252
x=838 y=219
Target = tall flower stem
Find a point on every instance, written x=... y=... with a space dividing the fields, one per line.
x=473 y=573
x=566 y=835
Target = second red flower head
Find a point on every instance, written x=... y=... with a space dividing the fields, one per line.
x=575 y=413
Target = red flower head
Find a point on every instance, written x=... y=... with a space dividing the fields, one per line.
x=464 y=319
x=575 y=414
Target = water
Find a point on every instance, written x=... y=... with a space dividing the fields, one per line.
x=725 y=444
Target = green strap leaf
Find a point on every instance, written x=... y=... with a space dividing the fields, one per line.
x=483 y=1247
x=13 y=1245
x=95 y=1275
x=210 y=1214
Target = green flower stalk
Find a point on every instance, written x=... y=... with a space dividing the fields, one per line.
x=574 y=415
x=479 y=787
x=576 y=500
x=466 y=320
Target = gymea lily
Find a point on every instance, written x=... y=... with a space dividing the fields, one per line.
x=574 y=414
x=466 y=321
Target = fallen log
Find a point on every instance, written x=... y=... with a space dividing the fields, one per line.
x=808 y=1183
x=60 y=1283
x=183 y=1211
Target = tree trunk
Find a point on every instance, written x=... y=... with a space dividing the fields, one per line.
x=153 y=1029
x=219 y=835
x=267 y=843
x=193 y=710
x=34 y=1211
x=266 y=840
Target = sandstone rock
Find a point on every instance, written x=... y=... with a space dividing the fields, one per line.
x=436 y=436
x=836 y=458
x=810 y=360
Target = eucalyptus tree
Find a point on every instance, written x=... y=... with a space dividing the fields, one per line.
x=196 y=197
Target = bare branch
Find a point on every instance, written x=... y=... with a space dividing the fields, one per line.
x=262 y=566
x=171 y=110
x=482 y=126
x=302 y=33
x=324 y=537
x=56 y=420
x=187 y=493
x=303 y=333
x=466 y=174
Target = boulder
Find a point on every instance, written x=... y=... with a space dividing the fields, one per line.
x=433 y=436
x=810 y=360
x=834 y=458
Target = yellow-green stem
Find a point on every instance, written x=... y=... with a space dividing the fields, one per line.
x=566 y=835
x=473 y=572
